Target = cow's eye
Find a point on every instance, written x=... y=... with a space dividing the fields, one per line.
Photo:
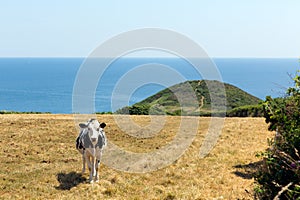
x=89 y=129
x=98 y=129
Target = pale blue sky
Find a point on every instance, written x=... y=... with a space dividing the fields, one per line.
x=224 y=28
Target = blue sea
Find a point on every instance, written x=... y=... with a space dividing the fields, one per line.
x=47 y=84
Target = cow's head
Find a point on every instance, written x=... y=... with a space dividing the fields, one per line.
x=94 y=128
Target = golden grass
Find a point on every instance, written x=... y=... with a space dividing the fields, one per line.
x=38 y=160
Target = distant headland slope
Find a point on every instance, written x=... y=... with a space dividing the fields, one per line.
x=200 y=98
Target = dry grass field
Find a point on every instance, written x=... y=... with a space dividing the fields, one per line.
x=38 y=160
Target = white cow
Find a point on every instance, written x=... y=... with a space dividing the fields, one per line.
x=90 y=143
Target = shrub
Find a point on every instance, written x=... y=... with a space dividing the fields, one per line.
x=246 y=111
x=139 y=109
x=279 y=177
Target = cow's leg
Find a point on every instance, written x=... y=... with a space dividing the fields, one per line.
x=88 y=160
x=83 y=162
x=97 y=165
x=97 y=168
x=92 y=174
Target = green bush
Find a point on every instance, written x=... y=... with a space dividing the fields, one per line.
x=137 y=109
x=104 y=113
x=279 y=176
x=247 y=111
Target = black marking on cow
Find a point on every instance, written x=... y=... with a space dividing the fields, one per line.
x=79 y=144
x=102 y=125
x=101 y=140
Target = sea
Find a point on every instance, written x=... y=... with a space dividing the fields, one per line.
x=52 y=84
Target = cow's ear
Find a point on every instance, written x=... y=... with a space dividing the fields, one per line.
x=102 y=125
x=82 y=125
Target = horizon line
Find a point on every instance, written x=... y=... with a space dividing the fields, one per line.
x=212 y=57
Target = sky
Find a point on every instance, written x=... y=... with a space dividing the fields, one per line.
x=74 y=28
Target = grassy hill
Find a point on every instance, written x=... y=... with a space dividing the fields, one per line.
x=167 y=101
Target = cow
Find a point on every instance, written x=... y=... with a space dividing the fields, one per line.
x=90 y=143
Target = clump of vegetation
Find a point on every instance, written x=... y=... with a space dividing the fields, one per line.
x=134 y=110
x=279 y=176
x=247 y=111
x=104 y=113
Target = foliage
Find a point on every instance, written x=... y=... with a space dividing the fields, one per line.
x=247 y=111
x=103 y=113
x=279 y=177
x=142 y=109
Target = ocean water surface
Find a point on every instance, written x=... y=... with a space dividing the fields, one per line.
x=46 y=84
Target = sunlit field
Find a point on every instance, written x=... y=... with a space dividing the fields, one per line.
x=38 y=160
